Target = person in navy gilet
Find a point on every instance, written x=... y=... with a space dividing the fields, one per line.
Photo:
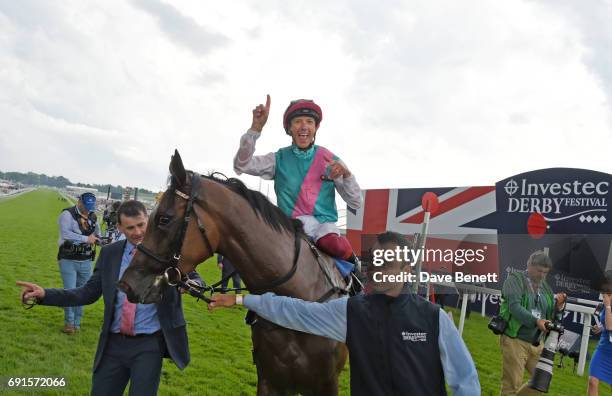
x=306 y=176
x=79 y=232
x=399 y=343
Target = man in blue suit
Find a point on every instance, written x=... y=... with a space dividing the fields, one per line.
x=134 y=337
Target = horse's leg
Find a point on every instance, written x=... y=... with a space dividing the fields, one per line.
x=266 y=388
x=328 y=389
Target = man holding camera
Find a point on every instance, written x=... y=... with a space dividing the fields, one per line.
x=112 y=233
x=79 y=232
x=528 y=304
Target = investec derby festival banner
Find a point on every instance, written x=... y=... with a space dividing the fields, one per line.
x=564 y=211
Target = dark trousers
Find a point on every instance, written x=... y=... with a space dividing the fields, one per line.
x=468 y=309
x=134 y=359
x=235 y=278
x=440 y=299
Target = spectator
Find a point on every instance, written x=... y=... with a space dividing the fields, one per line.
x=79 y=232
x=226 y=269
x=601 y=363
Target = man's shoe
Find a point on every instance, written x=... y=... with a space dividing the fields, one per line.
x=68 y=329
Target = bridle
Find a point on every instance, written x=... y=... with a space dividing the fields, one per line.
x=174 y=277
x=171 y=264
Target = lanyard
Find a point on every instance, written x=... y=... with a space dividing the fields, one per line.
x=537 y=294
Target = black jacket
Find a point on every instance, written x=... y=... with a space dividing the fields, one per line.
x=103 y=282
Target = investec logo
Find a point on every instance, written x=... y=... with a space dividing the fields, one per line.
x=414 y=337
x=551 y=198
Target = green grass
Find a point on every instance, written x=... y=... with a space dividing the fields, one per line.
x=221 y=363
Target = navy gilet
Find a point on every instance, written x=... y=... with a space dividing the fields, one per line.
x=393 y=346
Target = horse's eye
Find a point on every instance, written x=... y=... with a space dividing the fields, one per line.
x=163 y=220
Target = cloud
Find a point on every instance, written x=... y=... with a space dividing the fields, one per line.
x=182 y=30
x=206 y=78
x=417 y=94
x=485 y=87
x=593 y=23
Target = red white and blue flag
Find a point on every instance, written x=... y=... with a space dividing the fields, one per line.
x=562 y=211
x=459 y=222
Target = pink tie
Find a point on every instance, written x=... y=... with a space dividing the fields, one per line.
x=128 y=312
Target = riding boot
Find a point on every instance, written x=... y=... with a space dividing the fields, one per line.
x=355 y=261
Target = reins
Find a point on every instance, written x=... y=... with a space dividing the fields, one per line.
x=174 y=276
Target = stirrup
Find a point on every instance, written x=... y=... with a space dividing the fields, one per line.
x=357 y=265
x=356 y=287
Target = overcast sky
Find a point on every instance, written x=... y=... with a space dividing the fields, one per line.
x=414 y=93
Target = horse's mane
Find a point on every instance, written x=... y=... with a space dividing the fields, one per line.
x=262 y=207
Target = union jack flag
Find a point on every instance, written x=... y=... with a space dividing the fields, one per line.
x=464 y=219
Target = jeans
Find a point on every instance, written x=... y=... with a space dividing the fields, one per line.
x=74 y=274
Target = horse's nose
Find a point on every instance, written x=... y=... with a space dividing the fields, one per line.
x=124 y=287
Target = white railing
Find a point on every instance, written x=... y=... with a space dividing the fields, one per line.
x=586 y=311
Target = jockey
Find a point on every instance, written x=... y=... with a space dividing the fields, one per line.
x=306 y=176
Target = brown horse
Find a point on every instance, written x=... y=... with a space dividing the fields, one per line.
x=200 y=215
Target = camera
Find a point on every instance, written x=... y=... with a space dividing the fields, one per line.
x=110 y=219
x=542 y=375
x=110 y=215
x=498 y=325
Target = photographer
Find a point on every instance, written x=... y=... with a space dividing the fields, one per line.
x=79 y=232
x=601 y=363
x=528 y=304
x=112 y=233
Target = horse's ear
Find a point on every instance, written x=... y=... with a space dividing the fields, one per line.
x=177 y=170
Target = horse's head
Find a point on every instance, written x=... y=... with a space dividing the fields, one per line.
x=175 y=241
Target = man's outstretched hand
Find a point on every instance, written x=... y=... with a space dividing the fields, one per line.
x=30 y=291
x=222 y=300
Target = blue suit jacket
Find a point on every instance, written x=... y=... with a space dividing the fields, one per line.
x=103 y=282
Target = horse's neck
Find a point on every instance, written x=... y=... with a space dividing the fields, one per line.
x=259 y=255
x=263 y=255
x=272 y=259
